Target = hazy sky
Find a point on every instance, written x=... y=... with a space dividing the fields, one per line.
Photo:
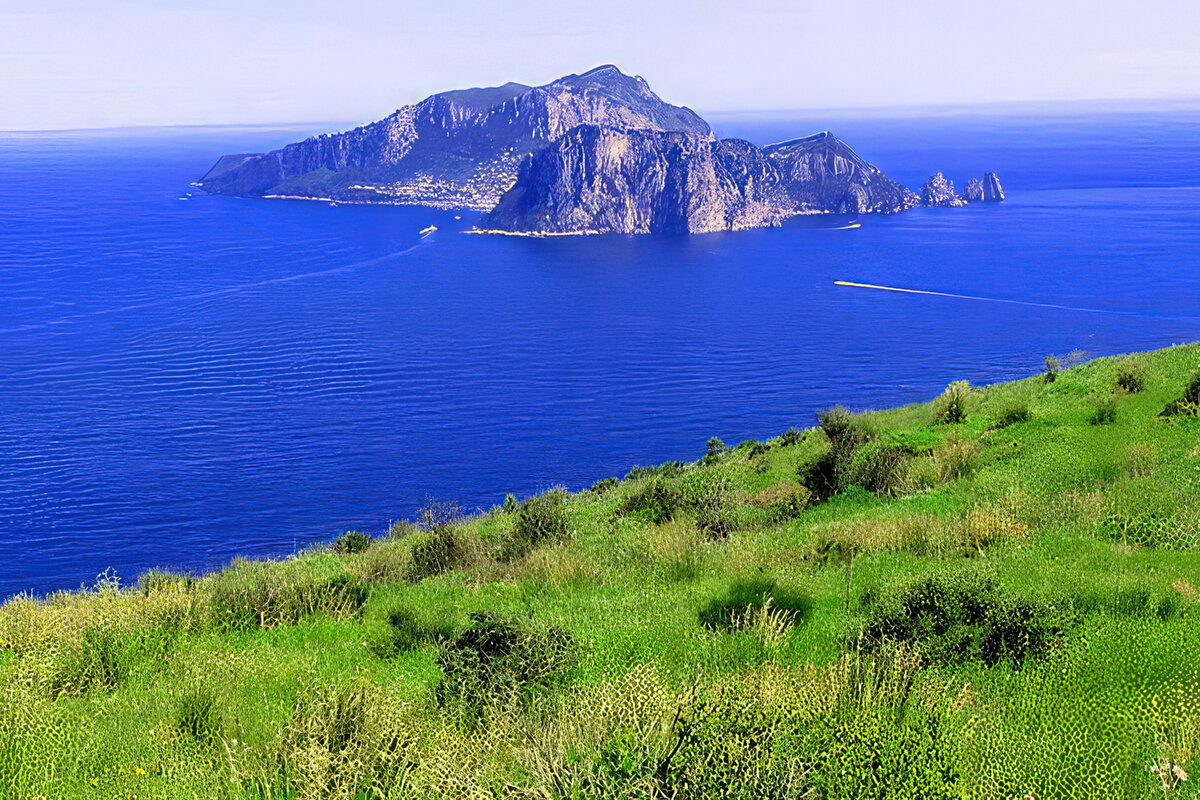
x=88 y=63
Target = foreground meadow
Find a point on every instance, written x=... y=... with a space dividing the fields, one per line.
x=992 y=595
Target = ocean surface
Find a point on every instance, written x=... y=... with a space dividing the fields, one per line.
x=185 y=379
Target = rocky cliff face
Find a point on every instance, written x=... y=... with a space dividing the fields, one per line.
x=984 y=191
x=938 y=191
x=597 y=180
x=456 y=149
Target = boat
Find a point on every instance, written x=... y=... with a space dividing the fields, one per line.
x=429 y=230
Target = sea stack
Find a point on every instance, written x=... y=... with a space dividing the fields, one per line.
x=938 y=192
x=987 y=190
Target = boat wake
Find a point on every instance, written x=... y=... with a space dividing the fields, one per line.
x=876 y=287
x=184 y=298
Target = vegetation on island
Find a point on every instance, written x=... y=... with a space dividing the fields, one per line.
x=993 y=595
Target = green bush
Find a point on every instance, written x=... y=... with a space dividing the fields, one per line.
x=843 y=429
x=1105 y=412
x=1130 y=376
x=951 y=405
x=709 y=496
x=956 y=617
x=496 y=660
x=1187 y=404
x=156 y=580
x=791 y=437
x=265 y=594
x=664 y=470
x=1012 y=414
x=101 y=661
x=542 y=518
x=753 y=448
x=654 y=501
x=820 y=475
x=880 y=466
x=1053 y=367
x=714 y=448
x=603 y=485
x=351 y=542
x=434 y=552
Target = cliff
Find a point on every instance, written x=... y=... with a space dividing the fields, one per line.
x=606 y=181
x=938 y=191
x=456 y=149
x=987 y=190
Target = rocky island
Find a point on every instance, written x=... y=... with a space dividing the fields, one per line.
x=593 y=153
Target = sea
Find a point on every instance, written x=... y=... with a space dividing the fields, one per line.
x=186 y=379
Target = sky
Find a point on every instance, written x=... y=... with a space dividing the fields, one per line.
x=104 y=63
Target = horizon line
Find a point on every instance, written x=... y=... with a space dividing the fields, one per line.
x=1131 y=103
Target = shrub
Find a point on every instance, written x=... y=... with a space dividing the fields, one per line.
x=541 y=518
x=603 y=485
x=103 y=659
x=820 y=475
x=721 y=612
x=842 y=428
x=957 y=617
x=714 y=448
x=791 y=437
x=496 y=659
x=753 y=448
x=654 y=501
x=879 y=466
x=1187 y=404
x=156 y=580
x=1012 y=414
x=666 y=469
x=954 y=458
x=198 y=717
x=351 y=542
x=434 y=553
x=265 y=594
x=1105 y=412
x=951 y=406
x=828 y=473
x=1053 y=367
x=1130 y=376
x=710 y=497
x=784 y=500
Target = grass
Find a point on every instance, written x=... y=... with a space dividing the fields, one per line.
x=994 y=595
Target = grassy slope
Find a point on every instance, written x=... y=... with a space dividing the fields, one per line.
x=318 y=676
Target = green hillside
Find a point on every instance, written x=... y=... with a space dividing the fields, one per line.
x=992 y=595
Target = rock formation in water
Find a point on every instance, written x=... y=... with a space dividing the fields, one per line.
x=599 y=180
x=458 y=149
x=938 y=192
x=597 y=152
x=984 y=191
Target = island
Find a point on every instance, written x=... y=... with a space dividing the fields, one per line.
x=598 y=152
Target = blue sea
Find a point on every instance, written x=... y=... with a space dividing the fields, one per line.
x=185 y=379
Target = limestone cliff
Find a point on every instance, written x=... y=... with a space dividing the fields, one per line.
x=608 y=181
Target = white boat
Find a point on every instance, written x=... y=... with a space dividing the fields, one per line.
x=429 y=230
